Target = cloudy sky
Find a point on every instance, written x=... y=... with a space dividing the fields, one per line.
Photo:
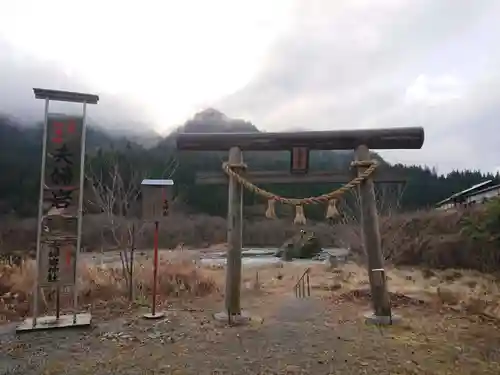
x=282 y=64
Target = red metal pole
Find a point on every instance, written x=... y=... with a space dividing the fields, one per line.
x=155 y=269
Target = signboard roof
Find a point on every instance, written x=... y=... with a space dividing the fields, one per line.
x=155 y=182
x=65 y=96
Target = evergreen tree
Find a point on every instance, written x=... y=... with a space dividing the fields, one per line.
x=20 y=152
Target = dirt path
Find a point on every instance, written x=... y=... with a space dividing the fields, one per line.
x=310 y=336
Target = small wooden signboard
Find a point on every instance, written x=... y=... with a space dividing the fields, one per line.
x=156 y=198
x=299 y=163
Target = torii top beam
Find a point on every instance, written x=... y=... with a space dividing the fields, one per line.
x=391 y=138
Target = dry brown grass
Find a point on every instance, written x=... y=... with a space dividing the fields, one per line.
x=421 y=297
x=463 y=238
x=464 y=290
x=102 y=284
x=180 y=275
x=433 y=239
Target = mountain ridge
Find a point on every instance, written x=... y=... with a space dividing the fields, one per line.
x=20 y=151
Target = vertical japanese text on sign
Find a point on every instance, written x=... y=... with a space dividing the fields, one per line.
x=63 y=163
x=60 y=200
x=57 y=264
x=156 y=198
x=165 y=202
x=53 y=263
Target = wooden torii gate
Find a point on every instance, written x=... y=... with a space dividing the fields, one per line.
x=300 y=143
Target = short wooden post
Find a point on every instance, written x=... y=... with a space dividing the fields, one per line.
x=372 y=241
x=234 y=232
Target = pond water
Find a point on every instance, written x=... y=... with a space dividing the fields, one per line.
x=250 y=257
x=246 y=253
x=260 y=256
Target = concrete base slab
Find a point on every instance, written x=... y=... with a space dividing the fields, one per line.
x=51 y=322
x=157 y=315
x=235 y=319
x=371 y=318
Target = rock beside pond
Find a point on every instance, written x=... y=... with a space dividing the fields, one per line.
x=301 y=246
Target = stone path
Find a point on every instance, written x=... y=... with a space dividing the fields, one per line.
x=297 y=336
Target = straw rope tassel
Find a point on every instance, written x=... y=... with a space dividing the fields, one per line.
x=299 y=215
x=332 y=211
x=330 y=197
x=271 y=212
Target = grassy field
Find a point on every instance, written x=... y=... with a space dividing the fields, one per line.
x=449 y=323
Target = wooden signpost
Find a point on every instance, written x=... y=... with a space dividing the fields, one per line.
x=361 y=141
x=60 y=209
x=156 y=195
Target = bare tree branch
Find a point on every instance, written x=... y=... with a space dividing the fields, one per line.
x=388 y=202
x=114 y=196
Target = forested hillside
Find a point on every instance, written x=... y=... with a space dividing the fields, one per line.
x=20 y=149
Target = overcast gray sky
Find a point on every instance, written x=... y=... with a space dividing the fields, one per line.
x=311 y=64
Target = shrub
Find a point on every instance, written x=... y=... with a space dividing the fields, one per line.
x=99 y=284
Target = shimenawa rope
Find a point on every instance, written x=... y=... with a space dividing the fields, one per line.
x=331 y=197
